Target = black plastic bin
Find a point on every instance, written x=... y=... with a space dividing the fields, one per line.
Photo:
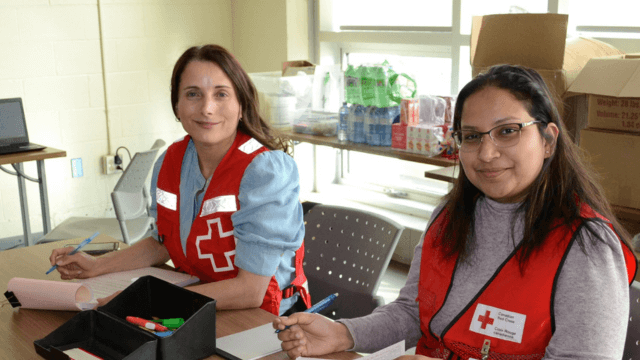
x=146 y=298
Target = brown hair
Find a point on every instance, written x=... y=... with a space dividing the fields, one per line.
x=562 y=186
x=251 y=122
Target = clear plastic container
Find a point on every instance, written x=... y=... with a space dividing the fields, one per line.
x=318 y=123
x=284 y=100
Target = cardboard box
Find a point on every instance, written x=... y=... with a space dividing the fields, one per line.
x=537 y=41
x=399 y=136
x=615 y=156
x=291 y=68
x=606 y=94
x=410 y=112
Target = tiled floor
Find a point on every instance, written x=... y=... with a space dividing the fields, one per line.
x=392 y=280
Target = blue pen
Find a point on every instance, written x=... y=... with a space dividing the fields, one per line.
x=83 y=243
x=323 y=304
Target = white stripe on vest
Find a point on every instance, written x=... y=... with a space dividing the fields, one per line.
x=225 y=203
x=250 y=146
x=166 y=199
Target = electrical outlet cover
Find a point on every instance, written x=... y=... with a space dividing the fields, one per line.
x=76 y=167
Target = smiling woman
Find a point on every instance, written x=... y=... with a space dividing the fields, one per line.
x=209 y=111
x=521 y=258
x=505 y=167
x=225 y=197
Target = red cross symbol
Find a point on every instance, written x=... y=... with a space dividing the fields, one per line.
x=485 y=319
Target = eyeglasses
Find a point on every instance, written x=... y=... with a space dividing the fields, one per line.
x=503 y=136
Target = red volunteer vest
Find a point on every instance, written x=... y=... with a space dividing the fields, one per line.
x=211 y=246
x=513 y=311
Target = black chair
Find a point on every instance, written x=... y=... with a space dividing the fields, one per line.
x=632 y=345
x=346 y=252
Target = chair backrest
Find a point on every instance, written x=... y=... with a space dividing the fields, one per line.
x=130 y=196
x=347 y=250
x=632 y=345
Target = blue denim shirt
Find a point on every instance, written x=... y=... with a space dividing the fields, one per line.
x=269 y=223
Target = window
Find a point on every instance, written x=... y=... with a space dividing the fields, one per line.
x=381 y=13
x=428 y=40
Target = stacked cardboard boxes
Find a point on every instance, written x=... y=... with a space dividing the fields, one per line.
x=538 y=41
x=607 y=94
x=429 y=137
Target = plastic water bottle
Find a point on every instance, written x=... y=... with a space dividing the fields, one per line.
x=380 y=88
x=387 y=118
x=351 y=122
x=343 y=123
x=370 y=122
x=358 y=124
x=350 y=84
x=367 y=84
x=356 y=95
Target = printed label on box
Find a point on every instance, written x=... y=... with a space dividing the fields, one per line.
x=614 y=113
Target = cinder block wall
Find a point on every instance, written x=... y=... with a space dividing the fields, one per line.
x=94 y=76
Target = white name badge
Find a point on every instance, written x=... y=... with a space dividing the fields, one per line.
x=498 y=323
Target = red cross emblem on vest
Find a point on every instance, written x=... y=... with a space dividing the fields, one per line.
x=227 y=254
x=485 y=319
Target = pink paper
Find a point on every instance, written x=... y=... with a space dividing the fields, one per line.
x=51 y=295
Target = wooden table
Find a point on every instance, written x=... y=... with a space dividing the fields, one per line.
x=39 y=156
x=21 y=327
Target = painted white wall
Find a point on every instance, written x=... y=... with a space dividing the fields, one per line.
x=267 y=33
x=52 y=54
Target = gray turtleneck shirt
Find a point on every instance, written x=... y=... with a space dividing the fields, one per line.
x=591 y=301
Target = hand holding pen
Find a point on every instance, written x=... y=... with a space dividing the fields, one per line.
x=312 y=335
x=319 y=306
x=70 y=266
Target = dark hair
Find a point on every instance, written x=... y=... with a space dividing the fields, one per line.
x=251 y=123
x=556 y=195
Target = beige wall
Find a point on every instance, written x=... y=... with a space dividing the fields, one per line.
x=268 y=32
x=52 y=54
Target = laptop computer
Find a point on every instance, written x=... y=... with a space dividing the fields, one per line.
x=13 y=128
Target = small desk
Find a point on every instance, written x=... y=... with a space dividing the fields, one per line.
x=17 y=159
x=21 y=327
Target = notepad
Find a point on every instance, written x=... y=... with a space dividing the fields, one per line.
x=250 y=344
x=83 y=294
x=107 y=284
x=389 y=353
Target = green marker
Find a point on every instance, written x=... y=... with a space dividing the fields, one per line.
x=171 y=324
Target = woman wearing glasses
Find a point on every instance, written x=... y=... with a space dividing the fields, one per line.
x=522 y=260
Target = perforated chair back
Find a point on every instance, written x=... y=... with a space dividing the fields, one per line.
x=632 y=345
x=347 y=251
x=130 y=196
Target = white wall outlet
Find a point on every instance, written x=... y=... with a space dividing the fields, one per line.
x=108 y=165
x=76 y=168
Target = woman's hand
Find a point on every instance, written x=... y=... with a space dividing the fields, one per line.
x=311 y=334
x=77 y=266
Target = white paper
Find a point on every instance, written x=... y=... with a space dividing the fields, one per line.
x=106 y=285
x=251 y=344
x=389 y=353
x=80 y=354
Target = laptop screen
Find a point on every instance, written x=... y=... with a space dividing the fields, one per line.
x=13 y=128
